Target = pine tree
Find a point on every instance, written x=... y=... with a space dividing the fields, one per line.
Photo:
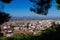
x=41 y=6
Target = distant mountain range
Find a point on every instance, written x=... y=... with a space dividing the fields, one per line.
x=34 y=18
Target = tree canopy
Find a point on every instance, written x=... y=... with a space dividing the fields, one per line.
x=42 y=6
x=4 y=17
x=58 y=4
x=6 y=1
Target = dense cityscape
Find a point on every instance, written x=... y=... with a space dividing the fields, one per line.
x=26 y=26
